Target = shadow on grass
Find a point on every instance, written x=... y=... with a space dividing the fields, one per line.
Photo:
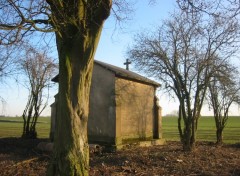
x=19 y=145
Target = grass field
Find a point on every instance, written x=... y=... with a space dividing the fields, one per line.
x=12 y=127
x=206 y=129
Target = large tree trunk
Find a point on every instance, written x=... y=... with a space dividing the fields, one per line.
x=71 y=155
x=79 y=27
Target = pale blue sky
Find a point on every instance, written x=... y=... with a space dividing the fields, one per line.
x=111 y=49
x=114 y=41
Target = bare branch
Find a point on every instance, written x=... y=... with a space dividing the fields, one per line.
x=29 y=16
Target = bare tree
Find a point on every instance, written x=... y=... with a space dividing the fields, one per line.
x=224 y=90
x=180 y=55
x=39 y=70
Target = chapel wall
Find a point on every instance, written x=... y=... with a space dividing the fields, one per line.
x=101 y=122
x=135 y=106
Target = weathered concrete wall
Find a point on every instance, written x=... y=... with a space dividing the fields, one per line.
x=101 y=122
x=135 y=110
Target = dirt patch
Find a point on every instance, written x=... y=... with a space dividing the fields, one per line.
x=20 y=157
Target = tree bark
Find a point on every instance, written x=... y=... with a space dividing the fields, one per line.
x=29 y=132
x=71 y=155
x=219 y=135
x=187 y=144
x=78 y=30
x=187 y=133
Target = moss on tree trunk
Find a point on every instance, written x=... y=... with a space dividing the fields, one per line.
x=71 y=156
x=78 y=29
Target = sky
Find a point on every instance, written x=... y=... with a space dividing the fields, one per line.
x=111 y=49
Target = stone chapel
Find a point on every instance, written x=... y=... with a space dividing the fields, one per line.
x=123 y=108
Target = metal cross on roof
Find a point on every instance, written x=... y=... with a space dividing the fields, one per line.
x=127 y=63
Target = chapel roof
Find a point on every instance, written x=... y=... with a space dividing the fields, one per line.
x=122 y=73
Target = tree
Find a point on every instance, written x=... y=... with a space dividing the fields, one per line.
x=180 y=55
x=223 y=91
x=225 y=9
x=77 y=25
x=39 y=70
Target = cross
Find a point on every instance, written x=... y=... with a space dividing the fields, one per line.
x=127 y=63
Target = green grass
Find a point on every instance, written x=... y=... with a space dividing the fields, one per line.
x=12 y=127
x=206 y=129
